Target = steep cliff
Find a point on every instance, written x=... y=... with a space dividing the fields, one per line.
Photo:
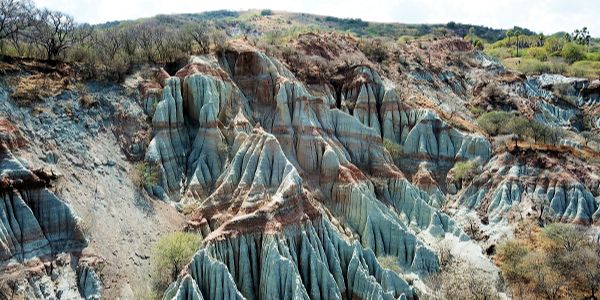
x=296 y=195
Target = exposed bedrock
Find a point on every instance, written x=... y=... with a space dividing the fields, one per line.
x=37 y=231
x=170 y=143
x=33 y=221
x=305 y=261
x=296 y=198
x=422 y=132
x=191 y=143
x=330 y=142
x=274 y=243
x=361 y=95
x=425 y=181
x=509 y=183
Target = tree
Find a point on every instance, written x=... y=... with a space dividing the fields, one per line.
x=472 y=32
x=565 y=237
x=555 y=135
x=200 y=33
x=589 y=272
x=463 y=170
x=494 y=122
x=520 y=127
x=572 y=52
x=517 y=33
x=219 y=39
x=582 y=37
x=109 y=41
x=171 y=253
x=563 y=264
x=56 y=32
x=512 y=255
x=540 y=40
x=15 y=17
x=509 y=34
x=266 y=12
x=545 y=279
x=589 y=136
x=129 y=40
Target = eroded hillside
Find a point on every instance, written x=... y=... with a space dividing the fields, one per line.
x=304 y=169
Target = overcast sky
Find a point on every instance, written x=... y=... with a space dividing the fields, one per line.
x=547 y=16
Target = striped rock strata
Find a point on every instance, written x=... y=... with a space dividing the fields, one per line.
x=273 y=169
x=555 y=190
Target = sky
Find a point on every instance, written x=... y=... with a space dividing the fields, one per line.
x=547 y=16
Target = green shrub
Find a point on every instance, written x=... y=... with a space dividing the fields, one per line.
x=393 y=148
x=500 y=53
x=572 y=52
x=564 y=262
x=188 y=209
x=375 y=49
x=389 y=262
x=144 y=175
x=594 y=56
x=266 y=12
x=170 y=254
x=463 y=170
x=538 y=53
x=494 y=122
x=534 y=66
x=585 y=68
x=476 y=110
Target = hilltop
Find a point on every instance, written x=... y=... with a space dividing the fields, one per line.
x=266 y=21
x=202 y=157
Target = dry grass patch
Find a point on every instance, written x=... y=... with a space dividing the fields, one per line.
x=37 y=87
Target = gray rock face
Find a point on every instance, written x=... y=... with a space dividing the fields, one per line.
x=37 y=227
x=422 y=132
x=33 y=221
x=307 y=261
x=509 y=182
x=89 y=283
x=274 y=168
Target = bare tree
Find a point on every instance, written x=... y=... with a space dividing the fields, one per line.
x=56 y=32
x=129 y=41
x=15 y=16
x=109 y=41
x=148 y=37
x=200 y=33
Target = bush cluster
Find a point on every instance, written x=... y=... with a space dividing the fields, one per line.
x=563 y=263
x=501 y=123
x=108 y=51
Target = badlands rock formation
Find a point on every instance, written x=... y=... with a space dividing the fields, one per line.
x=274 y=168
x=556 y=189
x=35 y=228
x=284 y=166
x=35 y=223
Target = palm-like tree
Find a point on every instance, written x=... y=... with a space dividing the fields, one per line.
x=509 y=34
x=517 y=33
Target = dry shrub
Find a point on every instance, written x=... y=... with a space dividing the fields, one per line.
x=37 y=87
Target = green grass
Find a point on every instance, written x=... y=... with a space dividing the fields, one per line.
x=550 y=54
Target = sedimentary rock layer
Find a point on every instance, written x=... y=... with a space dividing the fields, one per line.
x=34 y=222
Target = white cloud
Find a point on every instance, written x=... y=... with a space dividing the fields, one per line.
x=546 y=16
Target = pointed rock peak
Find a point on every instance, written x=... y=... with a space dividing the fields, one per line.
x=204 y=69
x=10 y=135
x=423 y=178
x=162 y=76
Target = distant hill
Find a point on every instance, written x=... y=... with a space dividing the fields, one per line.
x=257 y=22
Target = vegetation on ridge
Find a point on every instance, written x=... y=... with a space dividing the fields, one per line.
x=170 y=254
x=562 y=261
